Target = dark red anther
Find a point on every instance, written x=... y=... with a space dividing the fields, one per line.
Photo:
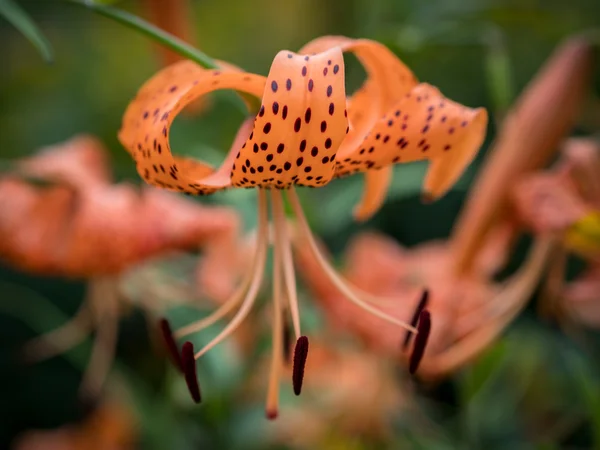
x=170 y=343
x=420 y=307
x=420 y=341
x=300 y=355
x=189 y=370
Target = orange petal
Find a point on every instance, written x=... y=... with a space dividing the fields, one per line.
x=388 y=79
x=423 y=125
x=300 y=125
x=377 y=183
x=146 y=124
x=81 y=162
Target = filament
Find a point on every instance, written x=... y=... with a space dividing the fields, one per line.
x=105 y=298
x=256 y=279
x=284 y=248
x=347 y=291
x=61 y=339
x=223 y=310
x=512 y=299
x=272 y=403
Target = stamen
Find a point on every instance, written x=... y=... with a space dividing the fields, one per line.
x=507 y=304
x=284 y=247
x=341 y=285
x=61 y=339
x=189 y=370
x=420 y=341
x=300 y=355
x=256 y=281
x=420 y=307
x=287 y=340
x=272 y=404
x=170 y=344
x=222 y=311
x=106 y=301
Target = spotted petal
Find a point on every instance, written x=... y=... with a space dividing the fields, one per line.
x=423 y=125
x=146 y=124
x=300 y=125
x=388 y=79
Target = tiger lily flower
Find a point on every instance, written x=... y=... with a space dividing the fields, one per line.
x=84 y=227
x=305 y=134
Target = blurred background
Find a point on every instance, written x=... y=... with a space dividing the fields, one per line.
x=536 y=387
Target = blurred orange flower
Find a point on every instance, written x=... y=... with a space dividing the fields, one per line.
x=109 y=427
x=82 y=226
x=350 y=392
x=565 y=202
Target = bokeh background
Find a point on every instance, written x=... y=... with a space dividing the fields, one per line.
x=534 y=389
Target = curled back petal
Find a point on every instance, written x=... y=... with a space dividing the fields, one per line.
x=300 y=126
x=423 y=125
x=388 y=79
x=145 y=129
x=377 y=183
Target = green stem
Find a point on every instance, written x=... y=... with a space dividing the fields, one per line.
x=160 y=36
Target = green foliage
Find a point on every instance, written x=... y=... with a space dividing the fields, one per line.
x=19 y=18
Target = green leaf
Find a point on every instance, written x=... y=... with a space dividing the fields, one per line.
x=22 y=22
x=498 y=70
x=161 y=37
